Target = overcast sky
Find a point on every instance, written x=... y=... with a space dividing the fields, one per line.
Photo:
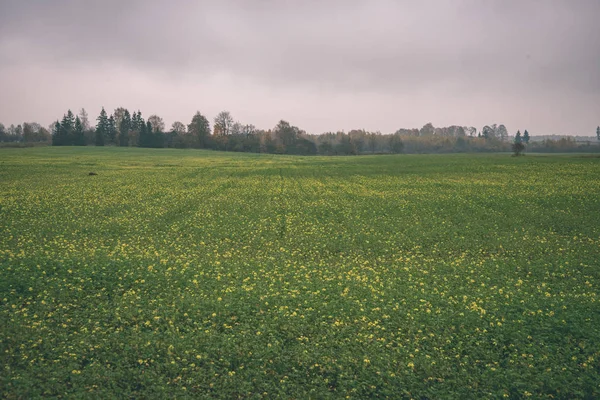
x=321 y=65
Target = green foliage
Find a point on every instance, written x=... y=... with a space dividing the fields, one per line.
x=518 y=148
x=286 y=133
x=526 y=137
x=64 y=133
x=199 y=131
x=34 y=133
x=102 y=128
x=125 y=127
x=518 y=137
x=396 y=144
x=598 y=132
x=203 y=274
x=78 y=133
x=112 y=130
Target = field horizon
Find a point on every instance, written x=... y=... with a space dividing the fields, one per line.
x=196 y=273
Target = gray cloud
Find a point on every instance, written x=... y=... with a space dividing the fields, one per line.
x=522 y=63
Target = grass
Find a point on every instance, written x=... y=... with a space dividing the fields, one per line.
x=179 y=273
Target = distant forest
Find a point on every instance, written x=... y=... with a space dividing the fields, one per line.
x=125 y=128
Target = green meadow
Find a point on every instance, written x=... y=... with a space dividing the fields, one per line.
x=188 y=273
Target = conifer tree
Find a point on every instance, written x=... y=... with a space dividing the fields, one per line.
x=144 y=134
x=518 y=138
x=79 y=133
x=101 y=128
x=526 y=137
x=67 y=129
x=57 y=134
x=124 y=129
x=151 y=135
x=112 y=130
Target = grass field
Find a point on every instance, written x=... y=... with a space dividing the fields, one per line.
x=179 y=273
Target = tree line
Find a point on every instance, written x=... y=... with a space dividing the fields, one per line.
x=130 y=129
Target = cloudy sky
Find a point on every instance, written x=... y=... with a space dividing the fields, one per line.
x=322 y=65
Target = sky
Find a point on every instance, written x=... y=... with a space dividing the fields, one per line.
x=328 y=65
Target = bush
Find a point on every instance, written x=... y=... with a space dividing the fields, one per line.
x=518 y=148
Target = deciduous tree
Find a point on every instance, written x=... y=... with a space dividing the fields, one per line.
x=223 y=123
x=157 y=123
x=199 y=129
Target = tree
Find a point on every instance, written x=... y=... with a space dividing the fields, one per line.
x=79 y=133
x=223 y=123
x=396 y=145
x=156 y=137
x=518 y=138
x=470 y=130
x=427 y=130
x=135 y=121
x=112 y=130
x=268 y=143
x=489 y=132
x=372 y=140
x=138 y=129
x=68 y=129
x=286 y=133
x=358 y=138
x=199 y=129
x=518 y=148
x=502 y=133
x=102 y=128
x=526 y=137
x=56 y=134
x=157 y=123
x=28 y=133
x=345 y=145
x=34 y=132
x=124 y=128
x=118 y=115
x=179 y=128
x=598 y=133
x=326 y=148
x=145 y=135
x=83 y=117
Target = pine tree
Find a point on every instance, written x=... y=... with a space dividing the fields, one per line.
x=144 y=134
x=526 y=137
x=124 y=129
x=57 y=134
x=139 y=121
x=518 y=138
x=598 y=132
x=101 y=128
x=67 y=129
x=79 y=133
x=152 y=136
x=112 y=130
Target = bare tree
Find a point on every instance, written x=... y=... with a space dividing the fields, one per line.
x=179 y=128
x=158 y=125
x=83 y=117
x=118 y=115
x=223 y=123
